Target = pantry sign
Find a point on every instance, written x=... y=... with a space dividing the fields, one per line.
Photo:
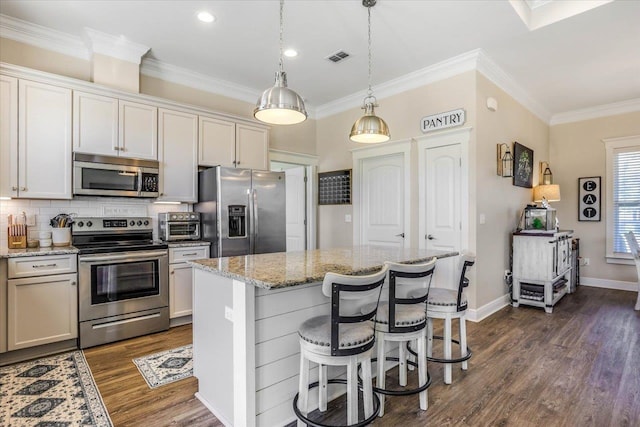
x=445 y=120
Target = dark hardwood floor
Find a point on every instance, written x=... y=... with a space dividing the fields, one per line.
x=579 y=366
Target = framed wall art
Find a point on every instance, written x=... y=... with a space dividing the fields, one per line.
x=522 y=166
x=589 y=198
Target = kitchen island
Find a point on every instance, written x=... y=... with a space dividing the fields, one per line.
x=246 y=313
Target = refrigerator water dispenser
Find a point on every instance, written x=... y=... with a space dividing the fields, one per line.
x=237 y=221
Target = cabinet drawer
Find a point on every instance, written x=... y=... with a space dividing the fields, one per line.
x=187 y=253
x=41 y=265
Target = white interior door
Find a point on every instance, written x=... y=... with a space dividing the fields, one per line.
x=382 y=200
x=442 y=207
x=296 y=214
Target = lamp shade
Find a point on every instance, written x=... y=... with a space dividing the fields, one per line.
x=280 y=105
x=549 y=192
x=369 y=128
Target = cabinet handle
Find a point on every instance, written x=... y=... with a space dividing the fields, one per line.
x=73 y=283
x=173 y=272
x=44 y=265
x=116 y=148
x=237 y=163
x=192 y=254
x=23 y=188
x=14 y=188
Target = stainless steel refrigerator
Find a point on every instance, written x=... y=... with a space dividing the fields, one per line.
x=242 y=211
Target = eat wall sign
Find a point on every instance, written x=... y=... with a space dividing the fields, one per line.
x=589 y=194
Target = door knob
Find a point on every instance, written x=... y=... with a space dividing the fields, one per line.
x=400 y=235
x=430 y=237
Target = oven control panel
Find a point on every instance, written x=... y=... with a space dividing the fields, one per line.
x=111 y=224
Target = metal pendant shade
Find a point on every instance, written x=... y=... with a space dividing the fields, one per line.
x=280 y=105
x=369 y=129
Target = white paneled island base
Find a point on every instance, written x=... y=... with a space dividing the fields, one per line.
x=246 y=315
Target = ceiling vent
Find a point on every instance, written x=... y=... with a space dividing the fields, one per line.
x=340 y=55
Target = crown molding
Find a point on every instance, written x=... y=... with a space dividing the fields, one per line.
x=440 y=71
x=114 y=46
x=43 y=37
x=504 y=81
x=622 y=107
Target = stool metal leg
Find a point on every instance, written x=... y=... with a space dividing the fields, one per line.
x=303 y=388
x=422 y=371
x=463 y=341
x=402 y=365
x=447 y=349
x=380 y=381
x=352 y=390
x=367 y=387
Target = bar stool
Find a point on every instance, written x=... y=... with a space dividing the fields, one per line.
x=401 y=319
x=343 y=338
x=448 y=304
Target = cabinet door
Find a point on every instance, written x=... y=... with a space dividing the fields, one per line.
x=95 y=124
x=178 y=156
x=3 y=305
x=44 y=141
x=42 y=310
x=138 y=130
x=8 y=136
x=252 y=147
x=217 y=142
x=180 y=290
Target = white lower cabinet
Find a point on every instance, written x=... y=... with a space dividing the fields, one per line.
x=180 y=279
x=41 y=309
x=3 y=305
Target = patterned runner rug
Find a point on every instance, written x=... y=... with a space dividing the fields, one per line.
x=53 y=391
x=167 y=366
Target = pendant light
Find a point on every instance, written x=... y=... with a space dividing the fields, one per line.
x=369 y=128
x=280 y=105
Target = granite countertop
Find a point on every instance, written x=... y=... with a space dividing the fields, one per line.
x=53 y=250
x=283 y=269
x=188 y=244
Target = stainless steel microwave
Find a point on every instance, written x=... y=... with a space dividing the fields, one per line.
x=95 y=175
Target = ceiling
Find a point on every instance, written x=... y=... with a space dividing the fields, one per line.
x=584 y=61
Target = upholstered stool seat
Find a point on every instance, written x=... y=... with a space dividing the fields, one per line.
x=448 y=304
x=317 y=331
x=401 y=319
x=344 y=338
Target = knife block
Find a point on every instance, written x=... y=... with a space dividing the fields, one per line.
x=16 y=242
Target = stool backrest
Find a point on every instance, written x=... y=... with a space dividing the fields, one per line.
x=635 y=249
x=467 y=259
x=364 y=289
x=408 y=275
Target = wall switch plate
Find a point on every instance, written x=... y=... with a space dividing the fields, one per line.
x=347 y=218
x=585 y=261
x=483 y=219
x=228 y=313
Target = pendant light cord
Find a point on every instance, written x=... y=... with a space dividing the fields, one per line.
x=369 y=91
x=281 y=32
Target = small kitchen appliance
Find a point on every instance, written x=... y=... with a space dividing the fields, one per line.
x=176 y=226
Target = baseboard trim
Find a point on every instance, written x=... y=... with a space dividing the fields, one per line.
x=477 y=315
x=220 y=418
x=595 y=282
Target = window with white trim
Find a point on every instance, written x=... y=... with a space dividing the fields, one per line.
x=623 y=194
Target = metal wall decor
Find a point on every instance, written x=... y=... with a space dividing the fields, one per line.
x=522 y=166
x=505 y=161
x=589 y=195
x=334 y=188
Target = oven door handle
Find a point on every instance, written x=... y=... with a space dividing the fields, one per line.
x=134 y=256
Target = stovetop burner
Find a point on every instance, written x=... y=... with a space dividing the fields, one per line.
x=107 y=235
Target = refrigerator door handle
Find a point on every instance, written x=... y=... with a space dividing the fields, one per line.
x=255 y=219
x=250 y=222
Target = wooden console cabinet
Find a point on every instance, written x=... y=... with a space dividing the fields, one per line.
x=542 y=264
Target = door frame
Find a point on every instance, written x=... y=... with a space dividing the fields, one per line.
x=359 y=155
x=460 y=136
x=310 y=162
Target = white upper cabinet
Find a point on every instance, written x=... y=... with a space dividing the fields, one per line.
x=178 y=156
x=252 y=147
x=232 y=144
x=95 y=124
x=217 y=142
x=44 y=141
x=108 y=126
x=8 y=136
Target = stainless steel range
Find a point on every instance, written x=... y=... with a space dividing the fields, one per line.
x=123 y=289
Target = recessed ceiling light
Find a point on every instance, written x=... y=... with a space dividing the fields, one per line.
x=290 y=53
x=206 y=17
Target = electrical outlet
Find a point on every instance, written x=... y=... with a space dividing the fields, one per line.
x=585 y=261
x=228 y=313
x=347 y=218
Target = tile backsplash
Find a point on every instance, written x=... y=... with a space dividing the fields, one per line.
x=40 y=212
